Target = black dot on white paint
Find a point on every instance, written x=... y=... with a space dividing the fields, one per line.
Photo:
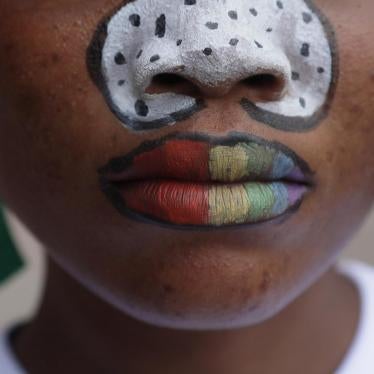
x=179 y=42
x=207 y=51
x=234 y=42
x=295 y=76
x=269 y=29
x=279 y=4
x=253 y=12
x=160 y=26
x=320 y=70
x=119 y=59
x=307 y=17
x=154 y=58
x=233 y=14
x=121 y=82
x=305 y=50
x=139 y=53
x=212 y=25
x=302 y=102
x=135 y=20
x=141 y=108
x=259 y=45
x=189 y=2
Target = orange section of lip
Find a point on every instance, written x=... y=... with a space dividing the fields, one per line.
x=180 y=159
x=170 y=201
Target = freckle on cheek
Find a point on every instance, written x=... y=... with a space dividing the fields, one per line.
x=266 y=280
x=168 y=288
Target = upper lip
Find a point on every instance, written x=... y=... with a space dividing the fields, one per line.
x=154 y=160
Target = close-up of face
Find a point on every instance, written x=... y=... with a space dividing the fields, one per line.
x=198 y=164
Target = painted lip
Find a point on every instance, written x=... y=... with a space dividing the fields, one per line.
x=195 y=180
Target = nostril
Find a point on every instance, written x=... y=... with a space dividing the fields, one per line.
x=265 y=86
x=171 y=82
x=262 y=81
x=260 y=87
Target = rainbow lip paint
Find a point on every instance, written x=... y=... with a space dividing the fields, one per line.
x=197 y=180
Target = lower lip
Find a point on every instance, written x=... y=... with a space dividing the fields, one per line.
x=209 y=204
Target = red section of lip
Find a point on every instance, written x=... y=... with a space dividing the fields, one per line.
x=177 y=159
x=180 y=203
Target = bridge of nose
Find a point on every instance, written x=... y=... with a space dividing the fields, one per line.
x=215 y=51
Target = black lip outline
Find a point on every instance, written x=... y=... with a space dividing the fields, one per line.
x=118 y=164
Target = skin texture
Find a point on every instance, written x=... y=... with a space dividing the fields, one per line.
x=56 y=131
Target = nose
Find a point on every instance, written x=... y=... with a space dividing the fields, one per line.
x=215 y=70
x=154 y=55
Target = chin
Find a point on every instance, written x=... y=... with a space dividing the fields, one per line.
x=223 y=296
x=201 y=320
x=174 y=312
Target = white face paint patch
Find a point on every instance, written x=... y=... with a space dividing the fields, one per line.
x=215 y=44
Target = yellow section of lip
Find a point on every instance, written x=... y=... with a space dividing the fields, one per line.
x=228 y=163
x=228 y=204
x=234 y=163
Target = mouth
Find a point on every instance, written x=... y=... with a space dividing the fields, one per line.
x=195 y=180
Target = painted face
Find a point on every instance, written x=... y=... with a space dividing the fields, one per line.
x=233 y=154
x=215 y=47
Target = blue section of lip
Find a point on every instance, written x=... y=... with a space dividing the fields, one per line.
x=281 y=198
x=282 y=166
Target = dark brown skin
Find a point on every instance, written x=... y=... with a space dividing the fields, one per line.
x=56 y=131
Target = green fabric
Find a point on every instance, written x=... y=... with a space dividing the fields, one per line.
x=10 y=260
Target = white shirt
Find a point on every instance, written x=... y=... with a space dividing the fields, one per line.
x=360 y=356
x=8 y=362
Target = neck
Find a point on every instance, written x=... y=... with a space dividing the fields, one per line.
x=75 y=331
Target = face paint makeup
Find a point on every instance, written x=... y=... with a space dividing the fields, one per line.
x=196 y=180
x=214 y=45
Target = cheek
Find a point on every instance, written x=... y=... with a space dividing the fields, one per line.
x=45 y=109
x=353 y=128
x=345 y=156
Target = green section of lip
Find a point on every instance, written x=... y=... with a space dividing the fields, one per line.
x=261 y=200
x=260 y=159
x=247 y=160
x=246 y=202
